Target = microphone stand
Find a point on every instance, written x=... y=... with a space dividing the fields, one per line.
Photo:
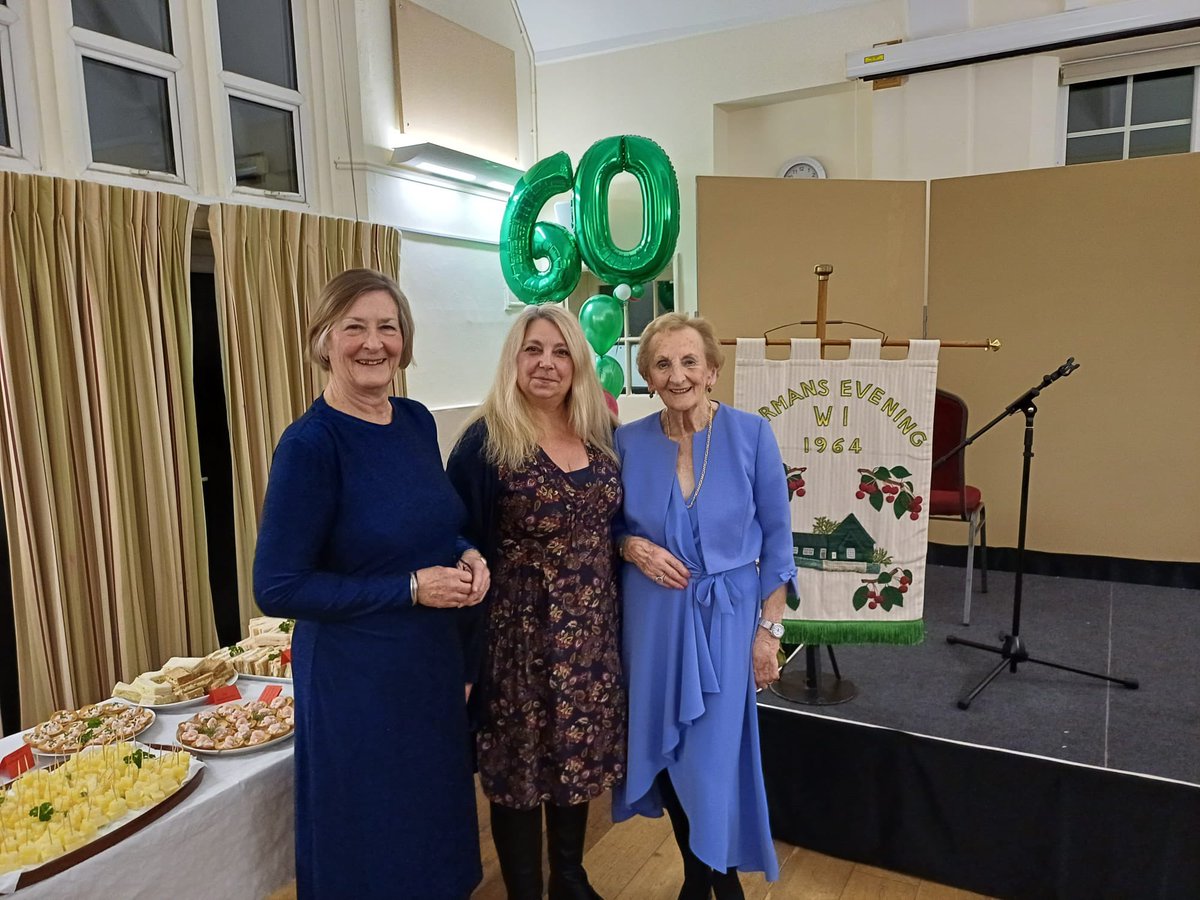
x=1012 y=649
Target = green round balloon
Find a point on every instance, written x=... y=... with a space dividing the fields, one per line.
x=602 y=320
x=647 y=162
x=523 y=239
x=638 y=290
x=612 y=379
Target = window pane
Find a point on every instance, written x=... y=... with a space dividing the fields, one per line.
x=1097 y=104
x=1162 y=96
x=257 y=41
x=641 y=310
x=145 y=22
x=1157 y=141
x=264 y=146
x=1094 y=148
x=129 y=118
x=5 y=140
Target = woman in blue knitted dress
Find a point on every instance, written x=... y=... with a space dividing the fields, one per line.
x=360 y=543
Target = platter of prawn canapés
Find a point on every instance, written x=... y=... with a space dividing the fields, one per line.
x=69 y=731
x=238 y=727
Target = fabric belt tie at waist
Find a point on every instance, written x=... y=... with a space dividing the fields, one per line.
x=701 y=659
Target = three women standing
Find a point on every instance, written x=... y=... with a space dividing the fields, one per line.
x=540 y=480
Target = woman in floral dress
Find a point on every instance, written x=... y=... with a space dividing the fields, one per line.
x=537 y=472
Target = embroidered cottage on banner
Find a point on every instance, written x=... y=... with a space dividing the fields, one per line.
x=856 y=437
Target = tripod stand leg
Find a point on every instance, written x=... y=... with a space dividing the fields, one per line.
x=1131 y=683
x=965 y=702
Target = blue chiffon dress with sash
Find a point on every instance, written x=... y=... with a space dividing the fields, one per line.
x=687 y=653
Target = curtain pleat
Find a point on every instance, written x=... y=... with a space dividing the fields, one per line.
x=270 y=268
x=101 y=474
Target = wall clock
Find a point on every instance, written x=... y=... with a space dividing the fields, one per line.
x=802 y=167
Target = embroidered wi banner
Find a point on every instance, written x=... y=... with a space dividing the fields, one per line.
x=856 y=437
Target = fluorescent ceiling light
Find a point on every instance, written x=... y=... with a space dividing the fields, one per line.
x=455 y=165
x=1075 y=27
x=445 y=170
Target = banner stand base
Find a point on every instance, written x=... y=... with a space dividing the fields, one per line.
x=809 y=685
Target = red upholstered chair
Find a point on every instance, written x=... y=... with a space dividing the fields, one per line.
x=950 y=497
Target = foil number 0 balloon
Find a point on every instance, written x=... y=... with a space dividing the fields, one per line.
x=524 y=240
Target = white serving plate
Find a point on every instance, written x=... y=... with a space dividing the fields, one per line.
x=240 y=750
x=46 y=755
x=181 y=704
x=270 y=679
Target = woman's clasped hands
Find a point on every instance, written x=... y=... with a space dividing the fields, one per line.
x=447 y=587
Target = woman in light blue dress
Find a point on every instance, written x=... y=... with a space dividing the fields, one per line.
x=708 y=534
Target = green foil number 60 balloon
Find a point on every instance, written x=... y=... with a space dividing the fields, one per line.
x=645 y=161
x=523 y=239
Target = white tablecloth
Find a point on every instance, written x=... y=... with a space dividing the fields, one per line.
x=232 y=838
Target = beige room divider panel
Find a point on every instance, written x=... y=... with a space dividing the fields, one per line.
x=758 y=240
x=1100 y=262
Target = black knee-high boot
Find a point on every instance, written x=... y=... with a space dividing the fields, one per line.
x=566 y=828
x=517 y=834
x=697 y=877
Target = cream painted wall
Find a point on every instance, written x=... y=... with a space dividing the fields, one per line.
x=458 y=310
x=448 y=265
x=831 y=123
x=668 y=92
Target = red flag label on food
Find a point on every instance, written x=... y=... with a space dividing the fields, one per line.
x=17 y=762
x=224 y=694
x=270 y=692
x=285 y=657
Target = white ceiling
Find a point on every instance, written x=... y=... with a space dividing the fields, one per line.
x=562 y=29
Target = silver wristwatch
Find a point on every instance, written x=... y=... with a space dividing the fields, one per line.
x=775 y=628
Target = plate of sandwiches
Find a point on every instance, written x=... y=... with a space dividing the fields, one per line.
x=233 y=728
x=266 y=654
x=183 y=681
x=69 y=731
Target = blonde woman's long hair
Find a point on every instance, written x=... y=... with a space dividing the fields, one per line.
x=512 y=433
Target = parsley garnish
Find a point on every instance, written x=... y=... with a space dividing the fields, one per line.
x=136 y=757
x=235 y=650
x=42 y=813
x=286 y=625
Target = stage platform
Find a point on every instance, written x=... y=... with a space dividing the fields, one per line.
x=1052 y=784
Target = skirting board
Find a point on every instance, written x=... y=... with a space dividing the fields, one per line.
x=1160 y=573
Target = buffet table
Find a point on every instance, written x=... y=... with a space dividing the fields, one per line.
x=233 y=837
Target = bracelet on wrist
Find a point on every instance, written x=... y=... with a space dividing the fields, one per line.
x=412 y=587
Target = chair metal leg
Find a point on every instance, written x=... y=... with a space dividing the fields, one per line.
x=974 y=524
x=983 y=546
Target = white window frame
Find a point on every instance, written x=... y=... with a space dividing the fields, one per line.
x=1125 y=129
x=8 y=85
x=180 y=107
x=278 y=97
x=19 y=98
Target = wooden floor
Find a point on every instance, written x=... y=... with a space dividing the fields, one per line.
x=638 y=860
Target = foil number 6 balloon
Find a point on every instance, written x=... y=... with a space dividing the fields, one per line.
x=523 y=239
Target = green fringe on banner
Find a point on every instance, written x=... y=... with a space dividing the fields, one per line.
x=796 y=631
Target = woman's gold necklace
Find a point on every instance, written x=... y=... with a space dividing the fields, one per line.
x=704 y=463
